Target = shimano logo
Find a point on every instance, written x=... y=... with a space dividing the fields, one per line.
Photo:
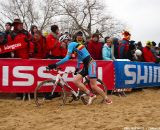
x=136 y=74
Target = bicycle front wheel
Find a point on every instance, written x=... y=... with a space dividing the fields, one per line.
x=57 y=98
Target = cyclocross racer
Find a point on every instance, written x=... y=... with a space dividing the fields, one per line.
x=89 y=68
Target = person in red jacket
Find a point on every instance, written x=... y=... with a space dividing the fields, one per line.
x=39 y=42
x=20 y=35
x=124 y=46
x=95 y=47
x=33 y=29
x=147 y=53
x=53 y=45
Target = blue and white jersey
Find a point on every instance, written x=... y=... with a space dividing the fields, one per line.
x=80 y=49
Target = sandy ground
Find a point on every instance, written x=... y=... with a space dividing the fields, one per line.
x=139 y=110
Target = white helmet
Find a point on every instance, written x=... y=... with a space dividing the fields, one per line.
x=64 y=37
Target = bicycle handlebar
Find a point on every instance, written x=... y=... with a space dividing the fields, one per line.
x=59 y=70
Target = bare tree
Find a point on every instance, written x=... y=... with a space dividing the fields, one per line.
x=1 y=25
x=70 y=15
x=29 y=11
x=87 y=16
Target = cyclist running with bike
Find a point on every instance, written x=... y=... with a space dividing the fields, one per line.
x=89 y=68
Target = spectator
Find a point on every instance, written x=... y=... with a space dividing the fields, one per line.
x=147 y=53
x=153 y=49
x=8 y=27
x=19 y=34
x=88 y=38
x=116 y=45
x=139 y=46
x=158 y=54
x=131 y=51
x=95 y=47
x=158 y=49
x=39 y=42
x=33 y=29
x=124 y=46
x=53 y=45
x=107 y=50
x=105 y=39
x=4 y=40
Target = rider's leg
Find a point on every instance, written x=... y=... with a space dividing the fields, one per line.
x=93 y=83
x=78 y=82
x=92 y=73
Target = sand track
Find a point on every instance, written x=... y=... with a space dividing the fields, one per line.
x=138 y=109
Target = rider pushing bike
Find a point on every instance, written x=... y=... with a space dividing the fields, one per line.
x=89 y=68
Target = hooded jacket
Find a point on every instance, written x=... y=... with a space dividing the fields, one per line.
x=53 y=45
x=95 y=49
x=107 y=52
x=148 y=55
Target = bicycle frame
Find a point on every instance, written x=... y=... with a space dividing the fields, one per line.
x=60 y=79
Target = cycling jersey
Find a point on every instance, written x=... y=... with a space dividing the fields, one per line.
x=80 y=49
x=90 y=66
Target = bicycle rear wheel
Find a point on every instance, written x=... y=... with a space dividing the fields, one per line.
x=39 y=96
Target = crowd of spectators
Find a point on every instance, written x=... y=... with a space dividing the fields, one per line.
x=43 y=46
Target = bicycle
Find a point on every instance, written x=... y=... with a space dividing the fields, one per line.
x=60 y=83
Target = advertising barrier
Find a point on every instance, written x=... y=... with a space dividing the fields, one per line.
x=19 y=75
x=136 y=74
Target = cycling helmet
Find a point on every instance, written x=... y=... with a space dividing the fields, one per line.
x=64 y=37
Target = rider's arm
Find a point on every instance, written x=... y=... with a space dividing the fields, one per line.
x=68 y=56
x=65 y=59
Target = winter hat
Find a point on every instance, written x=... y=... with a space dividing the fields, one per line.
x=149 y=43
x=45 y=33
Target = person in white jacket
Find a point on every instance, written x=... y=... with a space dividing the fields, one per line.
x=108 y=50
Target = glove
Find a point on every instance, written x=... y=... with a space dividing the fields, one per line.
x=76 y=71
x=51 y=66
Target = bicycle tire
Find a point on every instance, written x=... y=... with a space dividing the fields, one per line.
x=38 y=94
